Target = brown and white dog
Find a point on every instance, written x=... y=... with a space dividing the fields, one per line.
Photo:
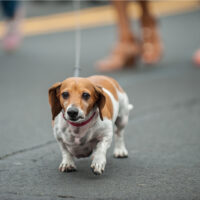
x=85 y=113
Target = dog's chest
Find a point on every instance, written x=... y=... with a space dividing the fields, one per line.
x=79 y=146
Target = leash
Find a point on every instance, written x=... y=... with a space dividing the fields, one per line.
x=77 y=6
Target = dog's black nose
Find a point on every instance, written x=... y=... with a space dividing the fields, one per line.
x=72 y=112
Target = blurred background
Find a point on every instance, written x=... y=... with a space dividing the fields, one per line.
x=37 y=49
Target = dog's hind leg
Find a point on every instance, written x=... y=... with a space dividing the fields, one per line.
x=120 y=150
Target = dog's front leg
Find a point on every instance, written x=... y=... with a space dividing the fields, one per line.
x=99 y=155
x=67 y=164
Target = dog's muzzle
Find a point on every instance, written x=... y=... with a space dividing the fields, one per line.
x=73 y=113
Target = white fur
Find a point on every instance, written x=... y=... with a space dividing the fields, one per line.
x=95 y=137
x=115 y=104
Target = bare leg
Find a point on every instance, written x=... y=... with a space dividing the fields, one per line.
x=124 y=28
x=151 y=42
x=127 y=49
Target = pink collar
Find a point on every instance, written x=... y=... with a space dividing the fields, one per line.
x=82 y=123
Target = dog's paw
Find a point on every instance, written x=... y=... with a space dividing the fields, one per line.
x=67 y=167
x=120 y=153
x=98 y=166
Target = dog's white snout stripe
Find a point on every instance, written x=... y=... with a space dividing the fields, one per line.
x=80 y=111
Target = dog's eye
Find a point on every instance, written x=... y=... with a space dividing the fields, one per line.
x=65 y=95
x=85 y=96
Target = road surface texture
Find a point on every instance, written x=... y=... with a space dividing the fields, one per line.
x=163 y=135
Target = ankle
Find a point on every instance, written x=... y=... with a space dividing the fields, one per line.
x=127 y=39
x=148 y=20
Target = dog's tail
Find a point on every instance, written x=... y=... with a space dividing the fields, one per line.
x=130 y=107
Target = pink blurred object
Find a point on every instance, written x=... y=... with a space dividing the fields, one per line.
x=12 y=40
x=13 y=35
x=196 y=58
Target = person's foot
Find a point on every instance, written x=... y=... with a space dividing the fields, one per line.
x=123 y=55
x=196 y=58
x=152 y=48
x=13 y=35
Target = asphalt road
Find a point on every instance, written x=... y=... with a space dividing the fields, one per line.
x=163 y=135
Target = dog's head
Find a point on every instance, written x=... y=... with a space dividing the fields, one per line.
x=77 y=97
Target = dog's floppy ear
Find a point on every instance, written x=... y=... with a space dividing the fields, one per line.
x=54 y=99
x=101 y=100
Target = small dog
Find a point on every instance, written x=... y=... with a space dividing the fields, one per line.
x=85 y=113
